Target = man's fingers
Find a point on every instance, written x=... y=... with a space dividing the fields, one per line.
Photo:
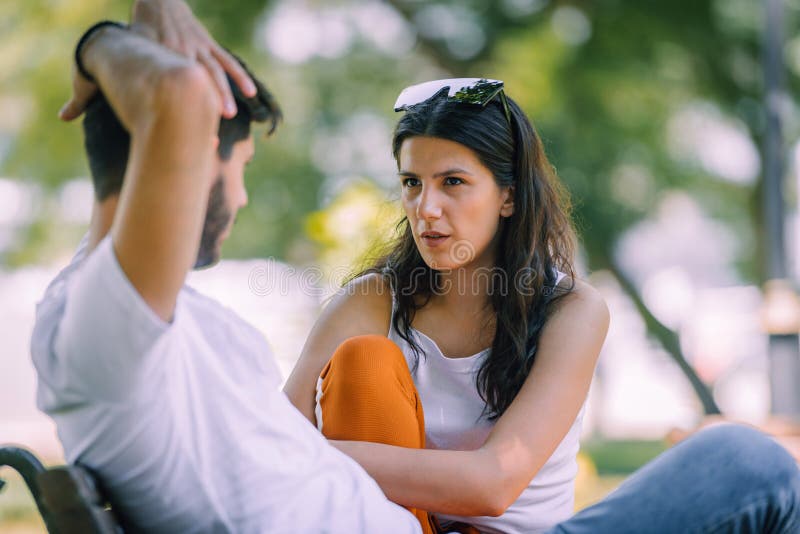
x=235 y=70
x=176 y=28
x=82 y=92
x=65 y=113
x=218 y=75
x=75 y=107
x=71 y=110
x=174 y=25
x=145 y=30
x=184 y=42
x=170 y=38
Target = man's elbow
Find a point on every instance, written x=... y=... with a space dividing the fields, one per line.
x=186 y=91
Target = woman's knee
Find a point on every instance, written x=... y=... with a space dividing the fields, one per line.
x=368 y=365
x=368 y=354
x=366 y=394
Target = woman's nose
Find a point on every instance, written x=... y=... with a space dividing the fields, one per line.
x=429 y=206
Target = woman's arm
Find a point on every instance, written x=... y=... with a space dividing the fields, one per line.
x=362 y=307
x=488 y=480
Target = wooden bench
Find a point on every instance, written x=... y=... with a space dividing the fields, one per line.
x=69 y=498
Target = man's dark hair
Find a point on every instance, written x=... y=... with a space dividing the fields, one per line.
x=107 y=142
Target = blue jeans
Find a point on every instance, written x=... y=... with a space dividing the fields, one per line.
x=727 y=478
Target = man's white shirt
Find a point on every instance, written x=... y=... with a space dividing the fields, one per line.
x=184 y=422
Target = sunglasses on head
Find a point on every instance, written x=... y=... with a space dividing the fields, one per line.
x=473 y=91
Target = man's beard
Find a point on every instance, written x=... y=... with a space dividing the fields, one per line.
x=217 y=219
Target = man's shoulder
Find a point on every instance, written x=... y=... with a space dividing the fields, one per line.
x=50 y=308
x=206 y=309
x=92 y=331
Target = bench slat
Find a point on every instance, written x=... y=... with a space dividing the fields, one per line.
x=75 y=505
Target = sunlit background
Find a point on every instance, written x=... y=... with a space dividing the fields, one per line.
x=652 y=113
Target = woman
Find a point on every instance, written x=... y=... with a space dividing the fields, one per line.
x=455 y=370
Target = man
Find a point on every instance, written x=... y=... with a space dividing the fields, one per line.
x=171 y=399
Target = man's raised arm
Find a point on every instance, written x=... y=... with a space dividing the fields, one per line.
x=170 y=107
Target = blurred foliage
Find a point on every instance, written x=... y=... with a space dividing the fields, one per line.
x=604 y=103
x=600 y=79
x=603 y=82
x=352 y=228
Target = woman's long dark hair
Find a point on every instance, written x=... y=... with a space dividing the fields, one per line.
x=535 y=242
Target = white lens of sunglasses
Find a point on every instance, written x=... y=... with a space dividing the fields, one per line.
x=423 y=91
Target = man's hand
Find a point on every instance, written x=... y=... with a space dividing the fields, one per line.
x=172 y=24
x=82 y=92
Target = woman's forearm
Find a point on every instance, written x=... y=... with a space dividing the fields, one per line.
x=443 y=481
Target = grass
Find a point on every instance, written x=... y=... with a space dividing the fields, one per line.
x=18 y=513
x=604 y=464
x=621 y=457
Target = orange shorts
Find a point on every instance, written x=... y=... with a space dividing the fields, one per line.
x=367 y=394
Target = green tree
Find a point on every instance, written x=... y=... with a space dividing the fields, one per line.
x=602 y=97
x=601 y=80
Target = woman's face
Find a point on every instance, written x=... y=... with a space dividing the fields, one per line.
x=452 y=202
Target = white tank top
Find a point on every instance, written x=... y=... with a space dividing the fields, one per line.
x=453 y=420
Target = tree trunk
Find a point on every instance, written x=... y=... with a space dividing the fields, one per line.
x=668 y=340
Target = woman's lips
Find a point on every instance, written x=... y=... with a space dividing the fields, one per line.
x=434 y=240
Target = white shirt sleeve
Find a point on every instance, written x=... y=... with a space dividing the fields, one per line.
x=107 y=331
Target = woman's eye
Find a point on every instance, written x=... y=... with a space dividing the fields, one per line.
x=452 y=180
x=410 y=182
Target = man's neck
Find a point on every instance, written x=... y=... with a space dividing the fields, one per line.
x=102 y=218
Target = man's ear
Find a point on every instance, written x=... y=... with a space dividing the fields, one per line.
x=507 y=209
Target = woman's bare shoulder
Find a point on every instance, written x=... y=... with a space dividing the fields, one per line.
x=370 y=288
x=580 y=299
x=365 y=300
x=575 y=328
